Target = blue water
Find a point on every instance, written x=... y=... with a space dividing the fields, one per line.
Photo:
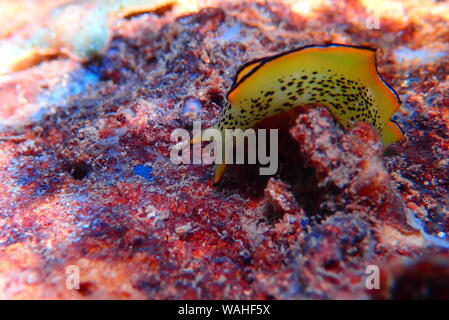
x=76 y=83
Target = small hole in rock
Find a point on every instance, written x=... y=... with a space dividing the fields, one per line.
x=87 y=288
x=79 y=170
x=332 y=265
x=216 y=97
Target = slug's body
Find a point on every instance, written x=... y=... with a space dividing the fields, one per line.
x=342 y=78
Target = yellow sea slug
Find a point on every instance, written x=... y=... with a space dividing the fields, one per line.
x=343 y=78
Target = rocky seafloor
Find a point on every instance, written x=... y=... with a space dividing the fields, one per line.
x=87 y=181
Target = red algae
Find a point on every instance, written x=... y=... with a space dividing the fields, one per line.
x=426 y=278
x=71 y=135
x=348 y=167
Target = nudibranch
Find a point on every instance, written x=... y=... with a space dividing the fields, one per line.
x=342 y=78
